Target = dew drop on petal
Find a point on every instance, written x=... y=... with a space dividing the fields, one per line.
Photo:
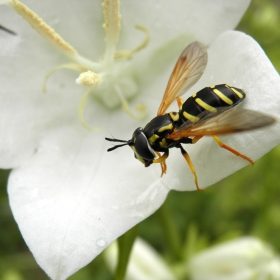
x=100 y=242
x=54 y=19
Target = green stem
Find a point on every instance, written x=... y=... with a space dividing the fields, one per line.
x=170 y=232
x=125 y=244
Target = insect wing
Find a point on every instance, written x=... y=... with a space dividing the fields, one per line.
x=230 y=121
x=187 y=71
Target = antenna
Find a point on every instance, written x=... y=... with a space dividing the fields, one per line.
x=116 y=146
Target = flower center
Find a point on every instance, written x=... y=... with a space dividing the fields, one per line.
x=111 y=80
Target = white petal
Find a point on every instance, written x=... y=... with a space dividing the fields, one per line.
x=72 y=199
x=242 y=258
x=144 y=262
x=273 y=269
x=200 y=20
x=85 y=197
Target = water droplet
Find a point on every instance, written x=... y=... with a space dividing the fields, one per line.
x=100 y=242
x=54 y=20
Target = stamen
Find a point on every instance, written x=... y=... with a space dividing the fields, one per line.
x=72 y=66
x=129 y=53
x=49 y=34
x=112 y=28
x=141 y=108
x=41 y=27
x=88 y=78
x=81 y=111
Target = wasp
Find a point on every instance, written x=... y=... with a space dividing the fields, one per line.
x=209 y=112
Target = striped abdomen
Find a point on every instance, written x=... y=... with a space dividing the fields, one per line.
x=209 y=99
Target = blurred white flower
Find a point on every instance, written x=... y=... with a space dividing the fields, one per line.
x=144 y=262
x=245 y=258
x=70 y=197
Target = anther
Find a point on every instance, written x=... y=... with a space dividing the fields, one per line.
x=88 y=78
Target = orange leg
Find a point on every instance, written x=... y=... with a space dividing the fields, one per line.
x=180 y=101
x=195 y=139
x=222 y=145
x=188 y=159
x=161 y=159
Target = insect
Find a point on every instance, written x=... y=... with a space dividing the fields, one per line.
x=209 y=112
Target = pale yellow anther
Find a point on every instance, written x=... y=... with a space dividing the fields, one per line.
x=88 y=78
x=112 y=16
x=112 y=28
x=41 y=27
x=49 y=34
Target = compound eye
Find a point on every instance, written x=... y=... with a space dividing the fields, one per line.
x=142 y=145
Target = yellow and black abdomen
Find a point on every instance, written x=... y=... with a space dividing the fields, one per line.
x=209 y=99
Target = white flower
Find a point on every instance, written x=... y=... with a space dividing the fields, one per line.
x=144 y=262
x=244 y=258
x=69 y=196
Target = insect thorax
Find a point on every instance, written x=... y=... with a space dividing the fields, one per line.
x=159 y=127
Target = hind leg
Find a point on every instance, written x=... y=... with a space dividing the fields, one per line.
x=222 y=145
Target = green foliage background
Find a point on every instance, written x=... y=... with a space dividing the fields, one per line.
x=246 y=203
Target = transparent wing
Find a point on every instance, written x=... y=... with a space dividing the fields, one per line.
x=230 y=121
x=187 y=71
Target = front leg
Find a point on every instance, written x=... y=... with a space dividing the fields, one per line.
x=161 y=159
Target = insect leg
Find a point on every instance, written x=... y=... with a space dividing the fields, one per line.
x=188 y=159
x=162 y=162
x=180 y=101
x=222 y=145
x=195 y=139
